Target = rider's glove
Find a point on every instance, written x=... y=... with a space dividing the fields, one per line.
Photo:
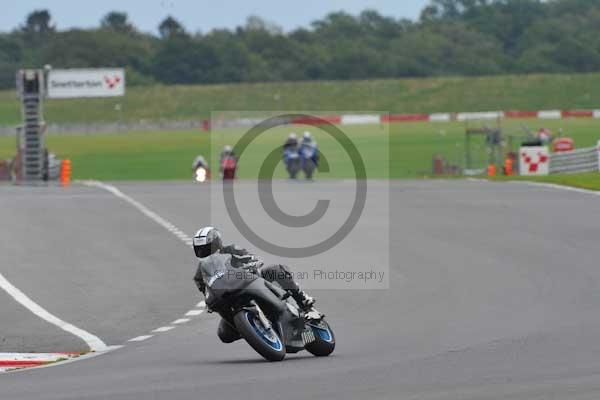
x=248 y=262
x=254 y=264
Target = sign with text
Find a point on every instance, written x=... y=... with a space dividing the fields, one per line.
x=74 y=83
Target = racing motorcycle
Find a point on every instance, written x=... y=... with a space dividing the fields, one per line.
x=202 y=174
x=228 y=167
x=201 y=170
x=263 y=314
x=293 y=162
x=309 y=156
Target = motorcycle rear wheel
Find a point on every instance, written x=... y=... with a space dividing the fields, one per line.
x=324 y=343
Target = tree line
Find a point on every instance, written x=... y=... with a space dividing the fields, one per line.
x=451 y=37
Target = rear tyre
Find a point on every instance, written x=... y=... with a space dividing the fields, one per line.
x=324 y=343
x=293 y=168
x=309 y=170
x=265 y=342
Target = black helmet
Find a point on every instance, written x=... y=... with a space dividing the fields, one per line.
x=207 y=241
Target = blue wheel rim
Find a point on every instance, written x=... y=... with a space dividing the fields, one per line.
x=323 y=334
x=267 y=336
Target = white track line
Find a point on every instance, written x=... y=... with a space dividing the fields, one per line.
x=558 y=187
x=143 y=209
x=94 y=342
x=163 y=329
x=165 y=224
x=541 y=184
x=140 y=338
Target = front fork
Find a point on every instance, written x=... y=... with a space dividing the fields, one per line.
x=256 y=310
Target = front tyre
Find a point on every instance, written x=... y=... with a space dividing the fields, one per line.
x=264 y=340
x=324 y=342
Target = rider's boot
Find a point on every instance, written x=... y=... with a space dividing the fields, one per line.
x=306 y=303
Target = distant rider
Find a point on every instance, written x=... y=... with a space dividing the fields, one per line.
x=291 y=142
x=309 y=155
x=309 y=143
x=228 y=163
x=199 y=161
x=208 y=244
x=200 y=169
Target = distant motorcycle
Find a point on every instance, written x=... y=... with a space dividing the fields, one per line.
x=263 y=314
x=309 y=157
x=201 y=170
x=201 y=175
x=228 y=167
x=293 y=162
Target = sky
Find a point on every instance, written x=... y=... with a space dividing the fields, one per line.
x=199 y=15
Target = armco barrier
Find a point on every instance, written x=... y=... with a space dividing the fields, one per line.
x=440 y=117
x=474 y=116
x=111 y=127
x=360 y=119
x=520 y=114
x=369 y=119
x=347 y=119
x=551 y=114
x=581 y=160
x=321 y=120
x=577 y=114
x=389 y=118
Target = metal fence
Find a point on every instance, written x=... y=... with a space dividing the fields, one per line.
x=582 y=160
x=111 y=127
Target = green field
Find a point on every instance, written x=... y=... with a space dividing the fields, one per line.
x=154 y=103
x=402 y=150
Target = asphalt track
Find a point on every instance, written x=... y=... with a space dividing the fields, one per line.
x=494 y=294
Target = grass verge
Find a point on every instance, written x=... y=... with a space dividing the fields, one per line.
x=389 y=151
x=427 y=95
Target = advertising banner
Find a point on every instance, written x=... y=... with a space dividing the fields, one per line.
x=75 y=83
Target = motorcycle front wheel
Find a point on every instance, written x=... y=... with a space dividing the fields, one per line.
x=265 y=341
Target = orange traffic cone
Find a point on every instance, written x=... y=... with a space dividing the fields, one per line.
x=491 y=171
x=65 y=173
x=508 y=167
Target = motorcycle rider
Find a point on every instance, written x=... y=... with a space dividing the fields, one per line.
x=228 y=163
x=310 y=143
x=208 y=243
x=199 y=161
x=291 y=156
x=309 y=155
x=307 y=140
x=291 y=142
x=201 y=169
x=227 y=152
